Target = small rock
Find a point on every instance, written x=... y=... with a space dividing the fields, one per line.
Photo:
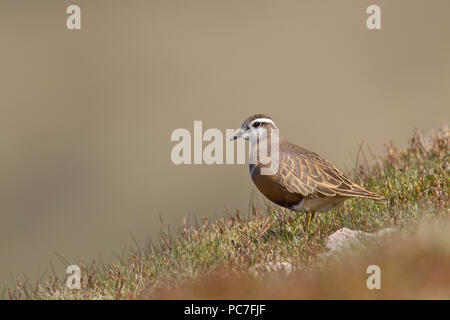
x=282 y=267
x=344 y=238
x=383 y=232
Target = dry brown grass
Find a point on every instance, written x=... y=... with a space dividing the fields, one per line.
x=415 y=264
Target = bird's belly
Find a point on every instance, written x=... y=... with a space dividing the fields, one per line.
x=318 y=204
x=272 y=190
x=269 y=187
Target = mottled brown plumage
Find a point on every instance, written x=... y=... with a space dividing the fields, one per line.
x=305 y=181
x=304 y=175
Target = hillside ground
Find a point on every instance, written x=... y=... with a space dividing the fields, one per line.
x=225 y=259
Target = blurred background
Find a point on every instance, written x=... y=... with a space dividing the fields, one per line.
x=86 y=115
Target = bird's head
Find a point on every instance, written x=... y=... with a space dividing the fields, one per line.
x=255 y=127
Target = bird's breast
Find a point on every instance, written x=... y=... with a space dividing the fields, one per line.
x=270 y=187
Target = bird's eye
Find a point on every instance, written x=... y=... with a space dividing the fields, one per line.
x=256 y=124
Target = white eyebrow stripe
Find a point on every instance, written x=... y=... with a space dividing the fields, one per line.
x=264 y=120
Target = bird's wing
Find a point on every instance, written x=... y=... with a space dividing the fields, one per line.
x=306 y=173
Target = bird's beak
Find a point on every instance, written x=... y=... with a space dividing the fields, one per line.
x=237 y=135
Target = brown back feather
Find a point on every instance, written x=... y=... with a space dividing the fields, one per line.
x=306 y=173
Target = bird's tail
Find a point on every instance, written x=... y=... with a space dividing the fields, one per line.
x=360 y=192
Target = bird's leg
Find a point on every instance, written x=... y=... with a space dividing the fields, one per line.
x=309 y=217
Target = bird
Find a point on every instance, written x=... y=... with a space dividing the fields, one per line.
x=304 y=181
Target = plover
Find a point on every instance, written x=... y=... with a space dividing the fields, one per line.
x=304 y=182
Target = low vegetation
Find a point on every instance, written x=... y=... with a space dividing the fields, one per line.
x=212 y=260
